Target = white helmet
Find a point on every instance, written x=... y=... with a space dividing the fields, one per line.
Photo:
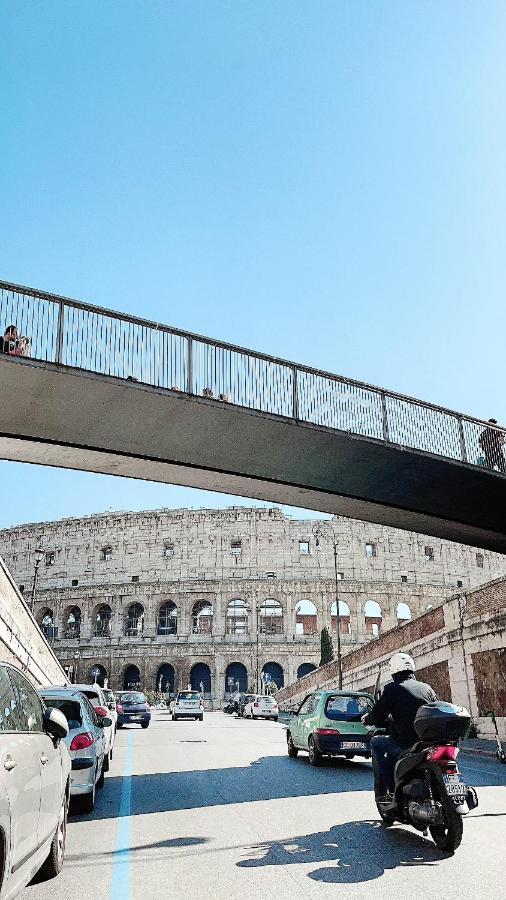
x=401 y=662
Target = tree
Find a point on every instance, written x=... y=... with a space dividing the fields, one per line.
x=327 y=650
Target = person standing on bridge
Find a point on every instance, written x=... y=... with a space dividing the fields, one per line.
x=492 y=443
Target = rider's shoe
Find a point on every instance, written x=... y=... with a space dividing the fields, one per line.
x=385 y=798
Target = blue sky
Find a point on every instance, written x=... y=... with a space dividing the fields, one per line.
x=320 y=180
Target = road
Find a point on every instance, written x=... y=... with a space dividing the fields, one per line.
x=217 y=810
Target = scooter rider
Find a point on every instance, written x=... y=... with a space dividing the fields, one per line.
x=396 y=708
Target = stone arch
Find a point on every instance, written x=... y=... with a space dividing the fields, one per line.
x=373 y=617
x=202 y=617
x=98 y=673
x=131 y=677
x=45 y=619
x=236 y=617
x=71 y=624
x=403 y=612
x=306 y=617
x=274 y=671
x=236 y=673
x=102 y=620
x=200 y=678
x=165 y=680
x=167 y=618
x=344 y=617
x=270 y=616
x=134 y=624
x=305 y=669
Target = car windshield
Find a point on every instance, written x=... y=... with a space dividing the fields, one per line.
x=70 y=709
x=189 y=695
x=344 y=708
x=133 y=697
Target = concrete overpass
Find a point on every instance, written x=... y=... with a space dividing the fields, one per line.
x=105 y=392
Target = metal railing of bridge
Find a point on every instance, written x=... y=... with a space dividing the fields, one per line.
x=72 y=333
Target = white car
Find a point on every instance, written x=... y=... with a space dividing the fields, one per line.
x=86 y=742
x=187 y=705
x=111 y=706
x=262 y=706
x=95 y=695
x=34 y=784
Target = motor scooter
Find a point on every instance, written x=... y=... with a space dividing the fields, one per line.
x=430 y=792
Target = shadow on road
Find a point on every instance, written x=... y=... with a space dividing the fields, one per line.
x=358 y=851
x=268 y=778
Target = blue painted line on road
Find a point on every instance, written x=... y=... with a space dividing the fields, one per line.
x=120 y=887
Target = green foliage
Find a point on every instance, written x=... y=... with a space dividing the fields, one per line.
x=327 y=649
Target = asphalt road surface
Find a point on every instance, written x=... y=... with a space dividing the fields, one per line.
x=217 y=810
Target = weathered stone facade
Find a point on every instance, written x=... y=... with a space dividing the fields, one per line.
x=459 y=648
x=183 y=588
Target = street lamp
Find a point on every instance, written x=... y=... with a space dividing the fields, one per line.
x=39 y=553
x=325 y=530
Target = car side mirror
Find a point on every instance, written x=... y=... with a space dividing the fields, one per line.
x=55 y=723
x=104 y=721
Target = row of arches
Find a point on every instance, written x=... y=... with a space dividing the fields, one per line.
x=270 y=614
x=236 y=677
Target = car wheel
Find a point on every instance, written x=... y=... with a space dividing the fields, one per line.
x=120 y=724
x=144 y=724
x=54 y=862
x=107 y=764
x=292 y=749
x=174 y=718
x=275 y=718
x=100 y=782
x=315 y=757
x=201 y=718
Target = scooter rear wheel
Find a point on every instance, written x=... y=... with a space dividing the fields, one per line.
x=447 y=837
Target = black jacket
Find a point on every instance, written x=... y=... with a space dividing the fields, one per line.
x=401 y=700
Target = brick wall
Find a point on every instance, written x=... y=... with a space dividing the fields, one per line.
x=490 y=679
x=438 y=676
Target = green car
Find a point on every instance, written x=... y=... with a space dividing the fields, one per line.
x=328 y=723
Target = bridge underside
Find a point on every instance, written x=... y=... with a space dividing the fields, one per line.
x=73 y=419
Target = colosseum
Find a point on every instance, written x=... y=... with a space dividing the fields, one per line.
x=221 y=599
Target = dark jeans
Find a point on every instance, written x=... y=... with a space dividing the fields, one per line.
x=495 y=457
x=384 y=751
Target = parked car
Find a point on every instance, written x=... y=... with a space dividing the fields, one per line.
x=241 y=703
x=95 y=695
x=86 y=742
x=261 y=706
x=111 y=706
x=34 y=784
x=187 y=705
x=133 y=708
x=328 y=723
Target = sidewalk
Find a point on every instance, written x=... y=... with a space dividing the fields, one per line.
x=478 y=747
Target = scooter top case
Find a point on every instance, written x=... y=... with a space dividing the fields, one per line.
x=441 y=723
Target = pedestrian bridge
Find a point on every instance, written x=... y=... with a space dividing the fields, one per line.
x=106 y=392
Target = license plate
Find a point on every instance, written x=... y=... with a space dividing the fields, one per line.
x=136 y=717
x=455 y=785
x=353 y=745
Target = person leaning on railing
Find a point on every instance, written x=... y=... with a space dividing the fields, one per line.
x=492 y=443
x=14 y=343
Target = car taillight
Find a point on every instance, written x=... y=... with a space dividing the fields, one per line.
x=119 y=708
x=327 y=731
x=82 y=741
x=101 y=711
x=256 y=705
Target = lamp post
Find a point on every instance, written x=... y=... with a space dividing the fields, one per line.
x=325 y=530
x=75 y=668
x=39 y=553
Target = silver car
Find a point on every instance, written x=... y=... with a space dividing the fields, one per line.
x=34 y=784
x=86 y=742
x=95 y=695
